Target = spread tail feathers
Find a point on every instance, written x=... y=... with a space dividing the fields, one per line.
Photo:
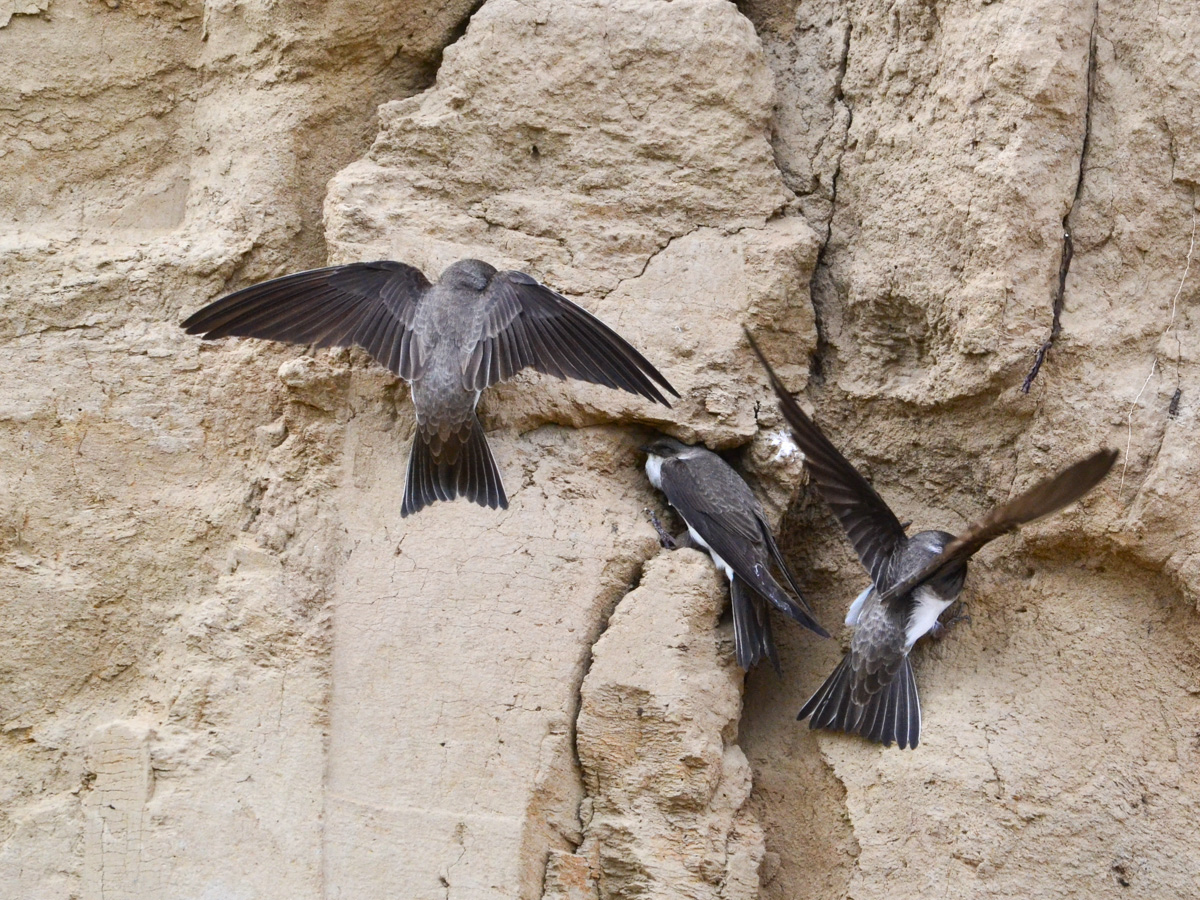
x=473 y=474
x=751 y=627
x=893 y=714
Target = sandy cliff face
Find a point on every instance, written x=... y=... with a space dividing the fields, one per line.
x=227 y=666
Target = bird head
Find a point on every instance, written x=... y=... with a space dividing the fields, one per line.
x=948 y=582
x=659 y=451
x=473 y=274
x=664 y=447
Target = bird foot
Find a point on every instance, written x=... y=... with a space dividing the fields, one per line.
x=665 y=539
x=941 y=629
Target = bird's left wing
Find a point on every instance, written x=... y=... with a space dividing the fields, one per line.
x=371 y=304
x=525 y=324
x=870 y=524
x=1045 y=497
x=719 y=506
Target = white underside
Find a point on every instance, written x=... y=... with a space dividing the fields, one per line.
x=654 y=469
x=855 y=609
x=717 y=560
x=928 y=607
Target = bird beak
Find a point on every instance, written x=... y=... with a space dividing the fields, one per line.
x=645 y=448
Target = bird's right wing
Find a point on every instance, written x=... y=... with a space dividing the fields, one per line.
x=1045 y=497
x=870 y=524
x=525 y=324
x=371 y=305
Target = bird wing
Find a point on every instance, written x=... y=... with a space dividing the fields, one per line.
x=525 y=324
x=1045 y=497
x=870 y=524
x=719 y=506
x=371 y=304
x=801 y=612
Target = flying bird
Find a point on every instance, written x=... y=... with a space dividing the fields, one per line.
x=449 y=340
x=913 y=579
x=725 y=518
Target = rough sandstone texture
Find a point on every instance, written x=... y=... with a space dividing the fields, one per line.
x=666 y=783
x=229 y=669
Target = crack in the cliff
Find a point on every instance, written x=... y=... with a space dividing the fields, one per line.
x=606 y=615
x=424 y=79
x=453 y=37
x=817 y=365
x=661 y=248
x=1068 y=248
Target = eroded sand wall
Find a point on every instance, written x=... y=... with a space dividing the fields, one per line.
x=227 y=666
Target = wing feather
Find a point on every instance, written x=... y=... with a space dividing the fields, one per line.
x=527 y=325
x=716 y=503
x=869 y=523
x=1044 y=498
x=371 y=304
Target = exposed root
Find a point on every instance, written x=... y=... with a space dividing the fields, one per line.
x=1129 y=424
x=1173 y=409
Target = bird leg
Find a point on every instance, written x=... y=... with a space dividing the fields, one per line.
x=941 y=629
x=665 y=539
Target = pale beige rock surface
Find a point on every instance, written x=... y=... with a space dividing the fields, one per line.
x=227 y=666
x=166 y=548
x=514 y=156
x=1060 y=726
x=667 y=784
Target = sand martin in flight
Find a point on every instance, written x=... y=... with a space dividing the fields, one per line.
x=449 y=340
x=724 y=518
x=914 y=579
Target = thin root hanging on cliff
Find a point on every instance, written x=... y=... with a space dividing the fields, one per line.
x=1173 y=407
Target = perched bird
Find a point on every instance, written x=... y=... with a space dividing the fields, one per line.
x=450 y=340
x=914 y=579
x=726 y=519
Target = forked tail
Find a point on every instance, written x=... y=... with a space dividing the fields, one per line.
x=472 y=474
x=893 y=714
x=751 y=627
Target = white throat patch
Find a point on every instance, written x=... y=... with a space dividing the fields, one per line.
x=654 y=469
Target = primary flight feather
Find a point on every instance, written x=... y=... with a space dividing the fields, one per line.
x=450 y=340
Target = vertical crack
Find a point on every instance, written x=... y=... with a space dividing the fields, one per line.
x=817 y=362
x=610 y=608
x=551 y=861
x=1064 y=265
x=663 y=689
